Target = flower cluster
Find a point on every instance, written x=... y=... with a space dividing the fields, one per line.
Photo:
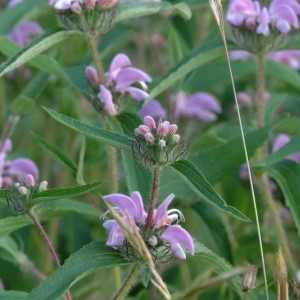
x=121 y=79
x=164 y=239
x=77 y=6
x=281 y=15
x=260 y=29
x=89 y=16
x=157 y=143
x=14 y=169
x=20 y=193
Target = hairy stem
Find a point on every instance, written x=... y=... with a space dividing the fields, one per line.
x=261 y=87
x=264 y=186
x=46 y=239
x=153 y=197
x=97 y=59
x=12 y=121
x=128 y=282
x=263 y=180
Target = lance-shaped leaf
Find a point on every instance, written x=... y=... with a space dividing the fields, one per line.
x=205 y=53
x=58 y=154
x=287 y=176
x=111 y=138
x=54 y=194
x=128 y=11
x=88 y=259
x=48 y=210
x=13 y=295
x=200 y=185
x=34 y=48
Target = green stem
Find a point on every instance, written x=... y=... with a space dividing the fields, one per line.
x=44 y=235
x=263 y=182
x=261 y=87
x=128 y=283
x=153 y=197
x=12 y=121
x=97 y=59
x=2 y=104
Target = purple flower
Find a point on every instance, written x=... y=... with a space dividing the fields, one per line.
x=23 y=33
x=162 y=232
x=154 y=109
x=280 y=141
x=201 y=105
x=14 y=169
x=281 y=15
x=121 y=79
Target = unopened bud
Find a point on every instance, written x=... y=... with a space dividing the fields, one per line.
x=23 y=190
x=149 y=137
x=152 y=241
x=162 y=144
x=173 y=128
x=143 y=129
x=90 y=4
x=175 y=138
x=92 y=75
x=107 y=3
x=29 y=180
x=43 y=186
x=149 y=121
x=76 y=8
x=163 y=129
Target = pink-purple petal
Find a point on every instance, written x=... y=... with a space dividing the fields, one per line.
x=176 y=234
x=161 y=213
x=105 y=97
x=140 y=212
x=22 y=166
x=127 y=76
x=154 y=109
x=123 y=202
x=119 y=61
x=178 y=251
x=136 y=93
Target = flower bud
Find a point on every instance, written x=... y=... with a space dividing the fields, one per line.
x=175 y=138
x=76 y=8
x=163 y=129
x=92 y=75
x=152 y=241
x=173 y=128
x=43 y=186
x=162 y=144
x=29 y=180
x=23 y=190
x=149 y=137
x=143 y=129
x=149 y=121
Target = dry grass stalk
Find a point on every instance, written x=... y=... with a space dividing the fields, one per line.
x=282 y=288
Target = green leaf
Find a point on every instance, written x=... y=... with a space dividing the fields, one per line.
x=54 y=194
x=46 y=211
x=128 y=11
x=221 y=160
x=292 y=147
x=33 y=49
x=195 y=178
x=86 y=260
x=56 y=152
x=12 y=295
x=110 y=138
x=205 y=53
x=10 y=251
x=287 y=174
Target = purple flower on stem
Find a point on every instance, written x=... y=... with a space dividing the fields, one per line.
x=121 y=79
x=201 y=105
x=16 y=168
x=281 y=16
x=163 y=233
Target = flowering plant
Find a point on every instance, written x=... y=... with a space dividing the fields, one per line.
x=130 y=121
